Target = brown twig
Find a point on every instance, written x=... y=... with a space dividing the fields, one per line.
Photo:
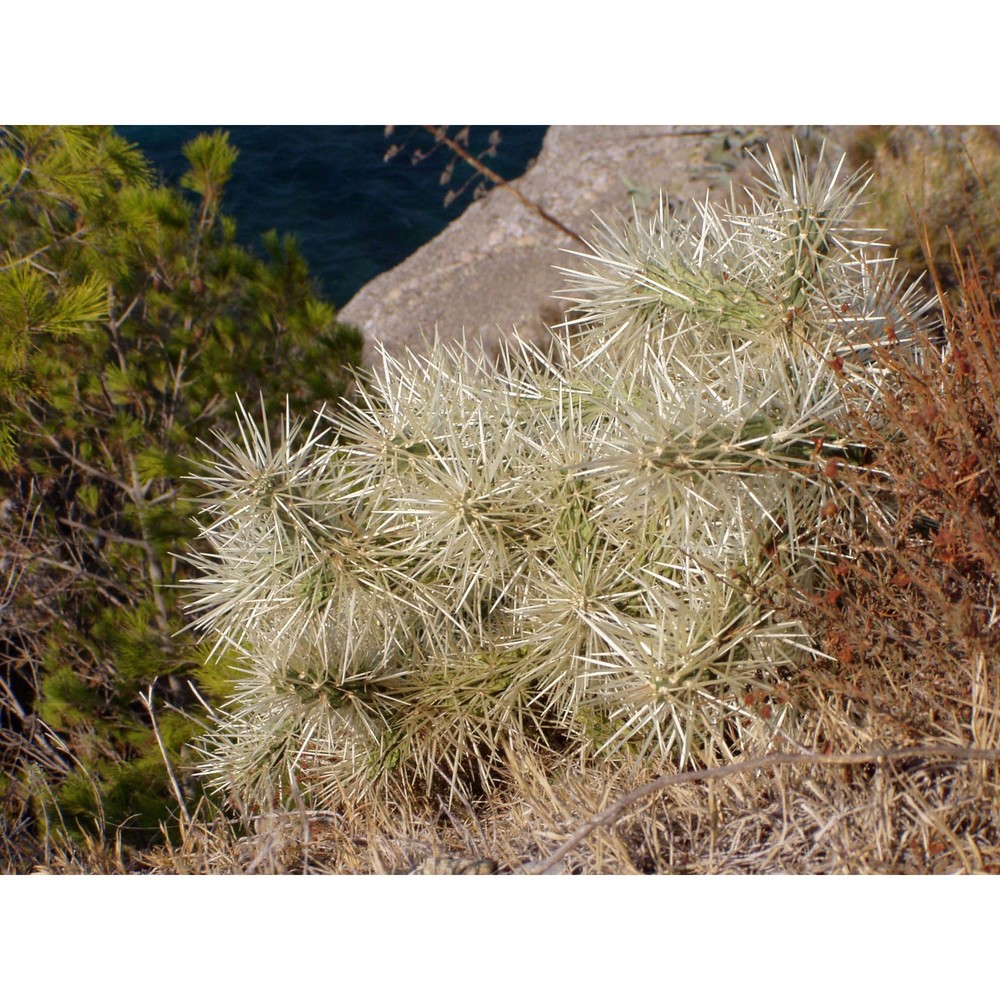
x=147 y=700
x=442 y=137
x=753 y=764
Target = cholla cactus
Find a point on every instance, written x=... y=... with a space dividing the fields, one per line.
x=478 y=557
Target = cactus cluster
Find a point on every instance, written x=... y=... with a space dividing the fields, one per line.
x=477 y=557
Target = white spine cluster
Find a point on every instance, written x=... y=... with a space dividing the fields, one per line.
x=476 y=556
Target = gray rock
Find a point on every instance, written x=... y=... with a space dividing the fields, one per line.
x=494 y=269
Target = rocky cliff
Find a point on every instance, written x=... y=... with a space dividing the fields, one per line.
x=494 y=269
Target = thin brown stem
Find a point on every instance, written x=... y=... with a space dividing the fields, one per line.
x=755 y=764
x=147 y=700
x=491 y=175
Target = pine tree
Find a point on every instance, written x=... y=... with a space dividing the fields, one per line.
x=130 y=317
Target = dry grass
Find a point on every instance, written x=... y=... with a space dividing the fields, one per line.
x=932 y=184
x=918 y=815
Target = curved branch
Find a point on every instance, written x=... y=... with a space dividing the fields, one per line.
x=756 y=763
x=491 y=175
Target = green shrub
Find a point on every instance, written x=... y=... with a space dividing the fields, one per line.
x=130 y=317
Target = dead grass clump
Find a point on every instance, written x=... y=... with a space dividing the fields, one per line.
x=813 y=817
x=947 y=176
x=922 y=813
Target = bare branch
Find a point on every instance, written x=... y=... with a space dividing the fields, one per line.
x=754 y=764
x=491 y=175
x=147 y=700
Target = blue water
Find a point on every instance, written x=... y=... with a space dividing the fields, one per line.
x=354 y=214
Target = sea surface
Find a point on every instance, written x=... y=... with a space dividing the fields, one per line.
x=355 y=214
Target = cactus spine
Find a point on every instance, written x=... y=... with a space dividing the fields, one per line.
x=479 y=556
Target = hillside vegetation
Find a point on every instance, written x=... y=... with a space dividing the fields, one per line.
x=709 y=587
